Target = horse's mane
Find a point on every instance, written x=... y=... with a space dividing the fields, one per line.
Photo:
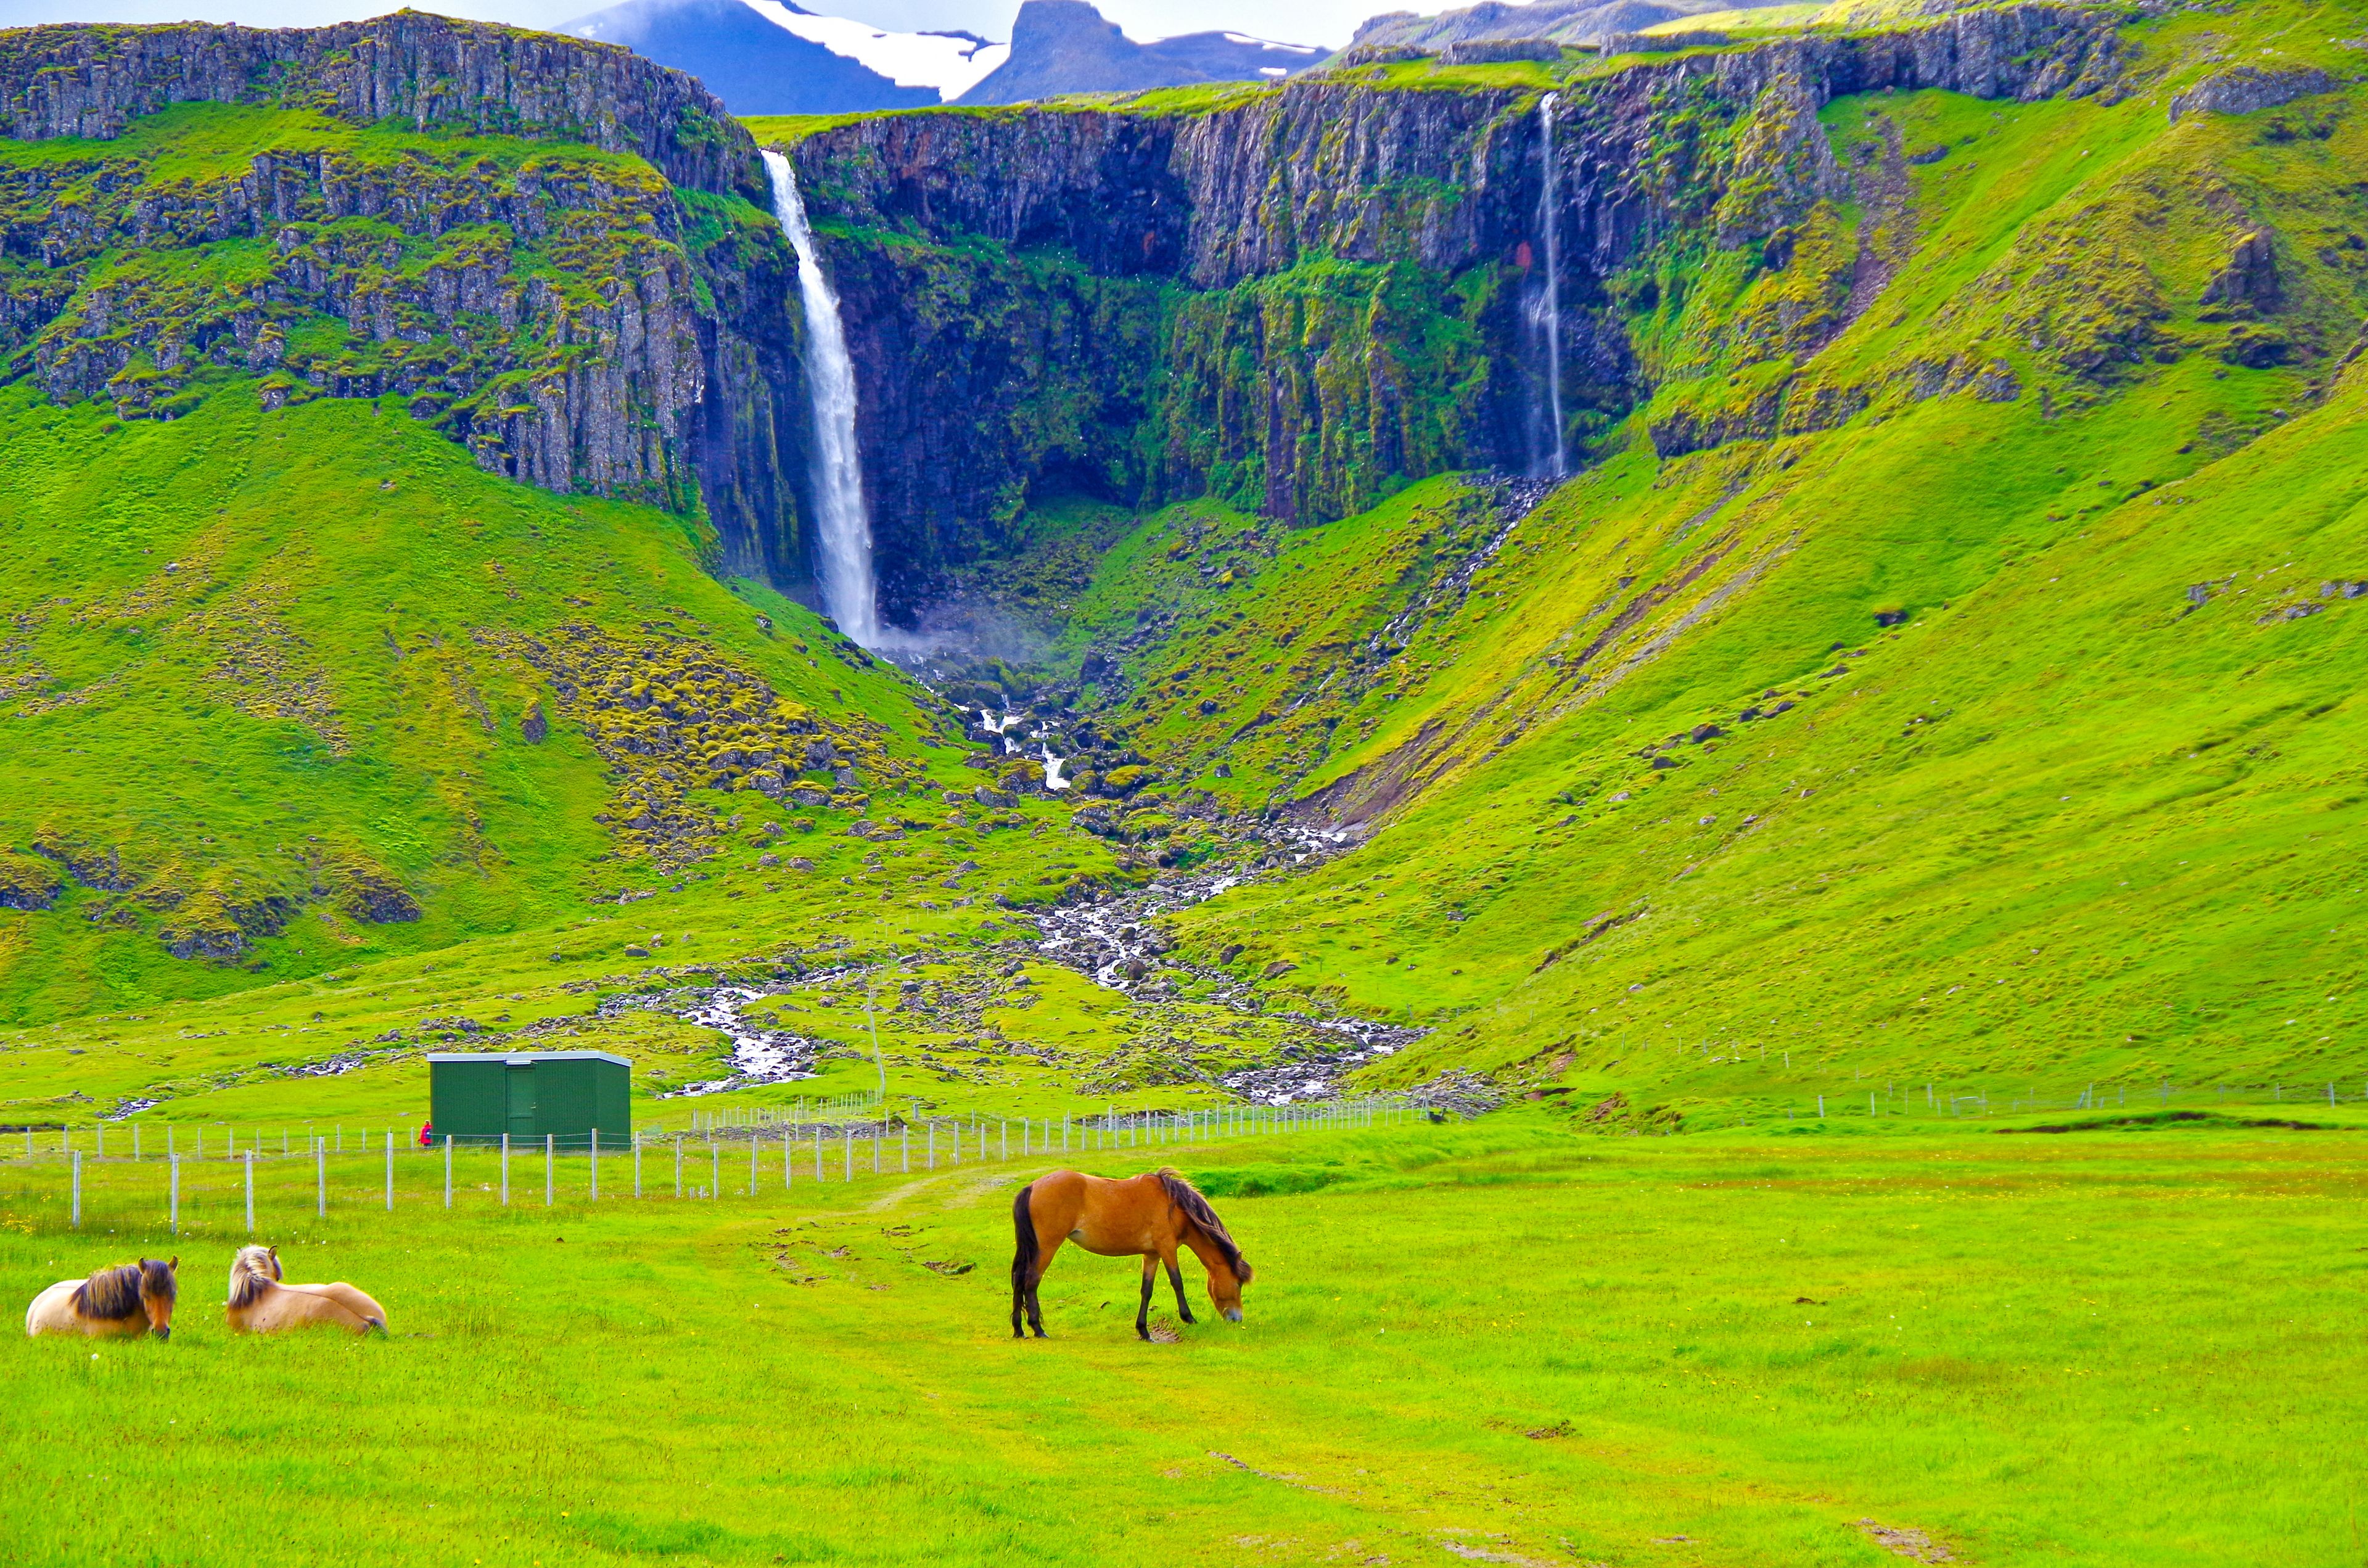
x=1186 y=1197
x=247 y=1282
x=113 y=1294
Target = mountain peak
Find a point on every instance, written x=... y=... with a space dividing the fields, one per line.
x=1067 y=46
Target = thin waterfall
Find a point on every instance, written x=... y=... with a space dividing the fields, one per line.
x=1550 y=224
x=842 y=523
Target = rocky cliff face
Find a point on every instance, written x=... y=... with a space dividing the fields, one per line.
x=1296 y=297
x=571 y=273
x=426 y=69
x=1299 y=297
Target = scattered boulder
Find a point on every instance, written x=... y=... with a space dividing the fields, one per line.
x=28 y=883
x=2248 y=280
x=369 y=893
x=2244 y=88
x=1499 y=50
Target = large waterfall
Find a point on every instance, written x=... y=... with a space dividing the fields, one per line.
x=1550 y=223
x=843 y=524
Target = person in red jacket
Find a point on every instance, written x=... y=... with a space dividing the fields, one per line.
x=427 y=1134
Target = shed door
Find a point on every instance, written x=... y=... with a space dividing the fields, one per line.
x=521 y=1098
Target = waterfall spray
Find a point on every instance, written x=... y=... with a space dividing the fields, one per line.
x=1550 y=224
x=843 y=526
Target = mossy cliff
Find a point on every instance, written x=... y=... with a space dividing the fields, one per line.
x=430 y=71
x=1294 y=298
x=559 y=253
x=1298 y=299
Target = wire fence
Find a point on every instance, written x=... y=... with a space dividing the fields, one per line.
x=240 y=1181
x=798 y=1113
x=1943 y=1100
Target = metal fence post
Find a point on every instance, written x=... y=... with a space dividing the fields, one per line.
x=906 y=1137
x=389 y=1170
x=752 y=1163
x=320 y=1178
x=77 y=1189
x=549 y=1140
x=250 y=1192
x=447 y=1170
x=848 y=1164
x=677 y=1164
x=175 y=1160
x=715 y=1168
x=596 y=1164
x=506 y=1170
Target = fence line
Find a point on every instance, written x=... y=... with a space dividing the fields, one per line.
x=897 y=1146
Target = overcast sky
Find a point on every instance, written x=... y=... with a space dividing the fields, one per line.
x=1302 y=21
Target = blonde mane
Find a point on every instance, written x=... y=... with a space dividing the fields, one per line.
x=251 y=1273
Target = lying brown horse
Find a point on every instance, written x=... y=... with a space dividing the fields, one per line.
x=259 y=1303
x=1149 y=1215
x=120 y=1303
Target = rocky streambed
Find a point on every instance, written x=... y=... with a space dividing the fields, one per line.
x=1110 y=937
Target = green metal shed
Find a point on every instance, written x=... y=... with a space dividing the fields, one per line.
x=530 y=1094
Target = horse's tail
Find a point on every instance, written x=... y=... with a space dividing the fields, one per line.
x=1023 y=1231
x=1195 y=1209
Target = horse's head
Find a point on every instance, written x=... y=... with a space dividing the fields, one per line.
x=158 y=1291
x=1226 y=1279
x=250 y=1270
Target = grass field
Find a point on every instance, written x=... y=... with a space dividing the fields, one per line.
x=1488 y=1342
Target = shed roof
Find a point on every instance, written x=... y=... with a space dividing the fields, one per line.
x=526 y=1056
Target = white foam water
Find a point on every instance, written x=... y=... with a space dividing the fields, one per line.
x=1550 y=224
x=843 y=525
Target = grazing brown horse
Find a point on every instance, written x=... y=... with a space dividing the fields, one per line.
x=120 y=1303
x=1149 y=1215
x=259 y=1303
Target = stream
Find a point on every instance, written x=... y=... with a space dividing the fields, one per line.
x=1112 y=938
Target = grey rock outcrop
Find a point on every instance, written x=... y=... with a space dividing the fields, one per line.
x=2244 y=88
x=89 y=81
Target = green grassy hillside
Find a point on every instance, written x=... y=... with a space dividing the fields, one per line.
x=2000 y=728
x=286 y=691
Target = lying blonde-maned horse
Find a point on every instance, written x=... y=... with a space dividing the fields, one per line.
x=120 y=1303
x=1151 y=1215
x=259 y=1303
